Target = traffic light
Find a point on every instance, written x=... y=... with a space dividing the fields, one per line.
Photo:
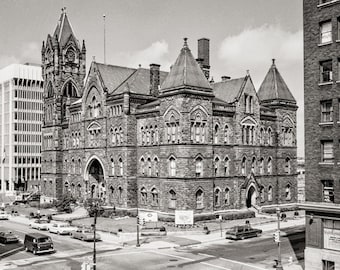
x=276 y=237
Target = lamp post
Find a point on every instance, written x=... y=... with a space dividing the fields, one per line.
x=95 y=205
x=137 y=244
x=278 y=265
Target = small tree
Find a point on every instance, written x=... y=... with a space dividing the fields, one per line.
x=64 y=204
x=92 y=205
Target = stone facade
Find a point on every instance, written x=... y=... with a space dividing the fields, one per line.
x=146 y=138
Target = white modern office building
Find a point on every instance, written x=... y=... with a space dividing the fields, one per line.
x=21 y=112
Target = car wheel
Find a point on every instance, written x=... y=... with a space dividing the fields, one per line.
x=82 y=238
x=58 y=233
x=242 y=238
x=34 y=252
x=26 y=249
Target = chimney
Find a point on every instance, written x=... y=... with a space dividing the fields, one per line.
x=203 y=56
x=225 y=78
x=154 y=79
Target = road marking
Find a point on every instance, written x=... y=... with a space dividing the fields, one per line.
x=245 y=264
x=192 y=260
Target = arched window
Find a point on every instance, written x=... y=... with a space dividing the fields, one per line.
x=253 y=165
x=216 y=133
x=262 y=194
x=69 y=90
x=147 y=131
x=113 y=136
x=79 y=193
x=154 y=194
x=270 y=136
x=217 y=197
x=73 y=166
x=173 y=134
x=73 y=189
x=261 y=165
x=142 y=135
x=49 y=90
x=261 y=136
x=198 y=127
x=142 y=166
x=172 y=166
x=243 y=166
x=79 y=164
x=155 y=162
x=172 y=199
x=111 y=194
x=149 y=167
x=227 y=196
x=120 y=195
x=270 y=166
x=216 y=166
x=199 y=199
x=270 y=193
x=119 y=139
x=226 y=166
x=112 y=167
x=288 y=192
x=226 y=134
x=287 y=166
x=66 y=186
x=144 y=196
x=199 y=167
x=121 y=169
x=156 y=135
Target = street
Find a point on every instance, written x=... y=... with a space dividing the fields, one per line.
x=249 y=254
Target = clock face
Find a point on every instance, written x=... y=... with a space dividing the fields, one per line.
x=70 y=56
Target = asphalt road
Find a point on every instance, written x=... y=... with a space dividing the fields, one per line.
x=250 y=254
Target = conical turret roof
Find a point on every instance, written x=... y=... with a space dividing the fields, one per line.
x=274 y=87
x=64 y=29
x=186 y=73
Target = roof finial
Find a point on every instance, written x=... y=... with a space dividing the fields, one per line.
x=185 y=43
x=63 y=10
x=247 y=72
x=273 y=61
x=139 y=65
x=94 y=58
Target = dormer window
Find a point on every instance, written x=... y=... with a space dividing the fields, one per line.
x=248 y=103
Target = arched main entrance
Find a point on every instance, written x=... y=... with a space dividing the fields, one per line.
x=251 y=197
x=94 y=179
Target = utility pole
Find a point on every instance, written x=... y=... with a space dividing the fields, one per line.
x=94 y=235
x=278 y=265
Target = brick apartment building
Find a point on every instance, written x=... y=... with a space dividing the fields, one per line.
x=322 y=118
x=161 y=140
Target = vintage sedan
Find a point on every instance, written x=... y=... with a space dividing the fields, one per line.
x=8 y=237
x=40 y=224
x=62 y=228
x=85 y=234
x=241 y=232
x=4 y=215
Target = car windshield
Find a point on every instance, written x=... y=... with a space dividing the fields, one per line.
x=42 y=221
x=63 y=225
x=44 y=240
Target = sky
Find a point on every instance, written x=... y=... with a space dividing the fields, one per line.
x=244 y=35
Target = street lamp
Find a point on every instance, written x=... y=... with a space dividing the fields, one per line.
x=278 y=264
x=95 y=207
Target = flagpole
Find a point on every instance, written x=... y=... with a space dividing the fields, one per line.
x=104 y=40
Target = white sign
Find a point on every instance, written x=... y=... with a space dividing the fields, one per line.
x=148 y=216
x=331 y=239
x=184 y=217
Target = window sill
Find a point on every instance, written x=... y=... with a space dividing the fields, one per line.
x=326 y=123
x=327 y=4
x=325 y=83
x=326 y=163
x=325 y=44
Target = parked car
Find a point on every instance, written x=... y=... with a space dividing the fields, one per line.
x=84 y=234
x=154 y=231
x=4 y=215
x=62 y=228
x=40 y=224
x=38 y=243
x=8 y=237
x=242 y=232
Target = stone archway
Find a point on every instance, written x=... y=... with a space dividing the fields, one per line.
x=251 y=196
x=95 y=179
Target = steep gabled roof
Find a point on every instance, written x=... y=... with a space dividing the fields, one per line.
x=274 y=87
x=64 y=29
x=116 y=79
x=186 y=73
x=229 y=90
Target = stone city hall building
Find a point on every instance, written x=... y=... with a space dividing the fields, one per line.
x=164 y=141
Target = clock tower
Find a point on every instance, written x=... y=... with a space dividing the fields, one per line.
x=63 y=71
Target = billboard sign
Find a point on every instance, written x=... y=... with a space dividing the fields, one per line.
x=331 y=239
x=148 y=216
x=184 y=217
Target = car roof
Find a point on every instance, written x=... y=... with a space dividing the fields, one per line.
x=36 y=235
